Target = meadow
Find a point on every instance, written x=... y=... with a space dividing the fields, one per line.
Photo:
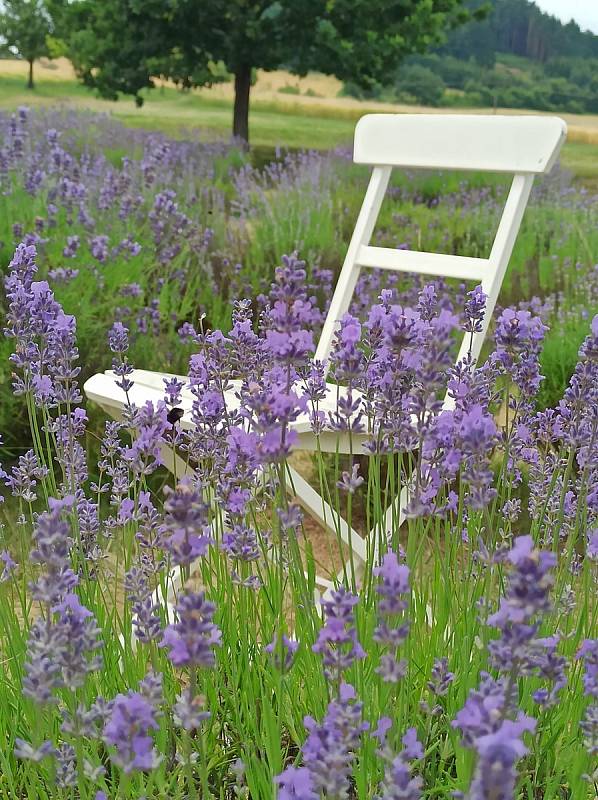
x=465 y=659
x=297 y=113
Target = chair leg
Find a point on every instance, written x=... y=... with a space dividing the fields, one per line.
x=325 y=514
x=394 y=517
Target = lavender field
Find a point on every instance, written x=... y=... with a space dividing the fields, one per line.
x=464 y=661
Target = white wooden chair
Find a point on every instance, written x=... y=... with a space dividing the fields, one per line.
x=523 y=146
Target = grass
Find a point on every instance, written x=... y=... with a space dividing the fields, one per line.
x=258 y=709
x=272 y=123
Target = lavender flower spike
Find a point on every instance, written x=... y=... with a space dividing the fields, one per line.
x=589 y=725
x=495 y=776
x=391 y=629
x=337 y=640
x=192 y=639
x=127 y=730
x=295 y=784
x=329 y=750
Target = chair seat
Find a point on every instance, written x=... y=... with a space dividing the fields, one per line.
x=149 y=386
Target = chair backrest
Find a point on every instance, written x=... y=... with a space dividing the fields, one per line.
x=523 y=146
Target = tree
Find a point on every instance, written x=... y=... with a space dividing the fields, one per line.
x=121 y=45
x=25 y=25
x=423 y=85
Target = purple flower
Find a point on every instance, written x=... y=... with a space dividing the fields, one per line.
x=291 y=518
x=62 y=274
x=118 y=341
x=270 y=407
x=441 y=678
x=283 y=650
x=127 y=730
x=518 y=330
x=589 y=728
x=172 y=391
x=192 y=639
x=78 y=633
x=290 y=317
x=592 y=548
x=24 y=476
x=295 y=783
x=186 y=530
x=329 y=750
x=476 y=434
x=394 y=582
x=52 y=543
x=9 y=566
x=150 y=687
x=498 y=754
x=241 y=543
x=315 y=391
x=27 y=752
x=427 y=302
x=337 y=640
x=151 y=427
x=66 y=770
x=99 y=248
x=475 y=309
x=381 y=731
x=118 y=338
x=347 y=360
x=393 y=585
x=589 y=653
x=398 y=779
x=72 y=245
x=528 y=595
x=350 y=482
x=189 y=711
x=490 y=721
x=484 y=708
x=147 y=623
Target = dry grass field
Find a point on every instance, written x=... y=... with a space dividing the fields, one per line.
x=316 y=92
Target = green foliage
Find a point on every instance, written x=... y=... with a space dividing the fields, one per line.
x=522 y=28
x=515 y=57
x=421 y=84
x=25 y=26
x=118 y=46
x=288 y=89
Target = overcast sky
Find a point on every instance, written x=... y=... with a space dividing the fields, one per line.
x=584 y=12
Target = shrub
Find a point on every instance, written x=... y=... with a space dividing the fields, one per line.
x=421 y=83
x=287 y=89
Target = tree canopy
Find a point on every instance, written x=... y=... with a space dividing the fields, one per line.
x=25 y=26
x=121 y=45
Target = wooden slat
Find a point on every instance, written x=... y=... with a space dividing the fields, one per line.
x=345 y=285
x=465 y=268
x=492 y=143
x=323 y=513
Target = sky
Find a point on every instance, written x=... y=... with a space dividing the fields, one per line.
x=584 y=12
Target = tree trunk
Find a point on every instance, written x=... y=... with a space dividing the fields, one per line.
x=241 y=110
x=30 y=81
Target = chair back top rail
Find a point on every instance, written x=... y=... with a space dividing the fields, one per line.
x=523 y=146
x=492 y=143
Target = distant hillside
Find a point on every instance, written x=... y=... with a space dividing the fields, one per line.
x=517 y=57
x=519 y=27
